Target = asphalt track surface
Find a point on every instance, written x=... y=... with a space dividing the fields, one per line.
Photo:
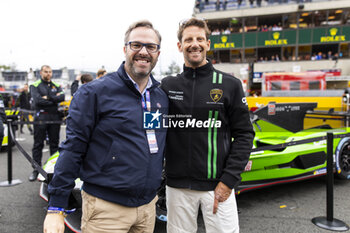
x=285 y=208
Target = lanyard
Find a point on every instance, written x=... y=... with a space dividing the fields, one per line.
x=151 y=134
x=146 y=104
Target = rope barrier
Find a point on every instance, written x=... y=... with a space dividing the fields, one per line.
x=26 y=155
x=12 y=121
x=26 y=110
x=37 y=122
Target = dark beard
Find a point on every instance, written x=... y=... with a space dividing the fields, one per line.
x=139 y=75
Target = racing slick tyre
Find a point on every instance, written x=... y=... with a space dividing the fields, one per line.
x=342 y=159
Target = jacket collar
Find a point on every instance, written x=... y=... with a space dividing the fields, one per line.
x=149 y=84
x=46 y=82
x=200 y=72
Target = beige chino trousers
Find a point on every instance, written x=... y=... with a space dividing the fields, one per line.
x=100 y=216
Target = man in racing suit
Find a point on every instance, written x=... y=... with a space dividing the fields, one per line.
x=209 y=138
x=46 y=96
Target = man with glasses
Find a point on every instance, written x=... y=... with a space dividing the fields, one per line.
x=119 y=161
x=204 y=170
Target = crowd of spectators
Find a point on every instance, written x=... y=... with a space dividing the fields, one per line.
x=315 y=56
x=265 y=28
x=262 y=28
x=221 y=31
x=271 y=58
x=323 y=56
x=203 y=5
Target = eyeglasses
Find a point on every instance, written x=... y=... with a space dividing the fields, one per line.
x=137 y=46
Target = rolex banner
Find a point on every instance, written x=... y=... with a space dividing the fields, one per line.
x=288 y=37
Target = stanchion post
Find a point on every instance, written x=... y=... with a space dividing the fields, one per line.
x=330 y=177
x=329 y=222
x=9 y=152
x=9 y=181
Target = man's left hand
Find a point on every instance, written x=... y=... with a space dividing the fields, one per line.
x=221 y=193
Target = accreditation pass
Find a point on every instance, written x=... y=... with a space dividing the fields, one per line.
x=152 y=141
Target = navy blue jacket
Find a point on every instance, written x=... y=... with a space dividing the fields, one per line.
x=106 y=145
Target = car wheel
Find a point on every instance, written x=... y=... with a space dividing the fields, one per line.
x=342 y=159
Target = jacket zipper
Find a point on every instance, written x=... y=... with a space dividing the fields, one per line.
x=141 y=194
x=190 y=139
x=151 y=90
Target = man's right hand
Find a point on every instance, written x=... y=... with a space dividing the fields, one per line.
x=54 y=223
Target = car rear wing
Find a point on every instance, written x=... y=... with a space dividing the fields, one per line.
x=289 y=116
x=329 y=115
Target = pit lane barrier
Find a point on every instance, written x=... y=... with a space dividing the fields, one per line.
x=328 y=222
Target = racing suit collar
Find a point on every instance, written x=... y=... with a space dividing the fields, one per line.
x=199 y=72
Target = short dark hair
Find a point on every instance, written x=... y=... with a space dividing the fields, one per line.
x=142 y=23
x=85 y=78
x=45 y=66
x=193 y=22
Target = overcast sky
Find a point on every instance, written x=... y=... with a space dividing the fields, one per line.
x=84 y=34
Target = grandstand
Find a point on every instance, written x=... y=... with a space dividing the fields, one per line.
x=278 y=36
